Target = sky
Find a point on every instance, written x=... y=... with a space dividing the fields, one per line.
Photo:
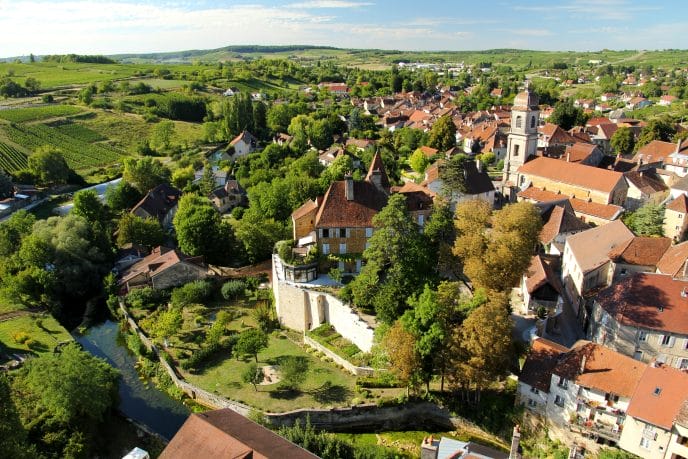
x=127 y=26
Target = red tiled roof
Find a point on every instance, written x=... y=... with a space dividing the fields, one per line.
x=540 y=273
x=307 y=207
x=654 y=151
x=578 y=152
x=680 y=204
x=541 y=360
x=653 y=301
x=158 y=261
x=561 y=219
x=377 y=166
x=646 y=181
x=428 y=151
x=587 y=177
x=660 y=396
x=673 y=260
x=540 y=195
x=641 y=251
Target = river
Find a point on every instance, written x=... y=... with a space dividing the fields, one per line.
x=144 y=404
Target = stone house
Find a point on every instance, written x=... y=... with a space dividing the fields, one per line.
x=676 y=218
x=586 y=262
x=637 y=255
x=244 y=144
x=163 y=268
x=541 y=287
x=159 y=203
x=576 y=180
x=228 y=197
x=644 y=187
x=589 y=212
x=559 y=222
x=478 y=183
x=644 y=316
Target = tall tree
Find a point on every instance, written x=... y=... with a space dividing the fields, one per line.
x=6 y=188
x=400 y=346
x=49 y=166
x=145 y=232
x=122 y=196
x=566 y=115
x=647 y=221
x=443 y=134
x=201 y=231
x=87 y=205
x=251 y=341
x=623 y=141
x=656 y=129
x=145 y=173
x=12 y=433
x=398 y=262
x=162 y=134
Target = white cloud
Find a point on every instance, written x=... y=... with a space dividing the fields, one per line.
x=313 y=4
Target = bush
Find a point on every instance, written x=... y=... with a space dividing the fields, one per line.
x=383 y=380
x=21 y=337
x=193 y=292
x=284 y=250
x=205 y=353
x=146 y=298
x=232 y=289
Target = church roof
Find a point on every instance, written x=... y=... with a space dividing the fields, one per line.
x=526 y=100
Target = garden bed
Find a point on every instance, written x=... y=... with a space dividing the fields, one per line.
x=328 y=337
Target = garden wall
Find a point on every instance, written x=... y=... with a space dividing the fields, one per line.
x=339 y=360
x=302 y=308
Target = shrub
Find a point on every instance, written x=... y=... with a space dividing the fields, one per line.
x=146 y=298
x=135 y=344
x=193 y=292
x=205 y=353
x=21 y=337
x=232 y=289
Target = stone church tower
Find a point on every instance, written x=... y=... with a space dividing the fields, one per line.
x=522 y=140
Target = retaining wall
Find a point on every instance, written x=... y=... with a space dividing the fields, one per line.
x=339 y=360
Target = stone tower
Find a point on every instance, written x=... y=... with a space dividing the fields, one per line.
x=522 y=141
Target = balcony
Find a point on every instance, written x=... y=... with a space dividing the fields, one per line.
x=596 y=429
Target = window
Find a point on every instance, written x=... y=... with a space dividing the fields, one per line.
x=516 y=148
x=325 y=232
x=342 y=248
x=644 y=443
x=682 y=440
x=421 y=220
x=563 y=383
x=519 y=121
x=638 y=355
x=532 y=403
x=559 y=401
x=369 y=232
x=624 y=271
x=326 y=249
x=685 y=343
x=534 y=390
x=684 y=364
x=666 y=340
x=532 y=122
x=342 y=232
x=611 y=397
x=642 y=336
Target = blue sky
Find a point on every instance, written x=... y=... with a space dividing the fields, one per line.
x=125 y=26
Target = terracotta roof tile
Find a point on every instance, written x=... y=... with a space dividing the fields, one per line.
x=539 y=365
x=660 y=396
x=307 y=207
x=587 y=177
x=680 y=204
x=641 y=251
x=654 y=151
x=560 y=219
x=540 y=273
x=653 y=301
x=578 y=152
x=428 y=151
x=539 y=195
x=157 y=261
x=673 y=260
x=646 y=181
x=595 y=209
x=590 y=248
x=338 y=212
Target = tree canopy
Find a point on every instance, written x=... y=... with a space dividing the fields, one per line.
x=49 y=166
x=443 y=134
x=145 y=174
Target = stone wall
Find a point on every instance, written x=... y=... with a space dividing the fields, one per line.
x=339 y=360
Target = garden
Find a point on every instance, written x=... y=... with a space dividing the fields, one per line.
x=223 y=338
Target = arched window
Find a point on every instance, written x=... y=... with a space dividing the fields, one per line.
x=516 y=148
x=519 y=121
x=532 y=122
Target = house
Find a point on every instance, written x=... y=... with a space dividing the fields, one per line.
x=638 y=102
x=645 y=316
x=227 y=434
x=586 y=263
x=159 y=203
x=496 y=92
x=601 y=135
x=536 y=374
x=244 y=144
x=163 y=268
x=656 y=423
x=478 y=183
x=487 y=136
x=282 y=139
x=587 y=211
x=639 y=254
x=676 y=218
x=559 y=222
x=428 y=152
x=583 y=153
x=231 y=91
x=654 y=152
x=541 y=287
x=551 y=134
x=219 y=175
x=227 y=197
x=360 y=144
x=576 y=180
x=667 y=100
x=419 y=201
x=448 y=448
x=644 y=187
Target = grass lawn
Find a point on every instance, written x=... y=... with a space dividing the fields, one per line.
x=8 y=304
x=42 y=330
x=326 y=384
x=159 y=83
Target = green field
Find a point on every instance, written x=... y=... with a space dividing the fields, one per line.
x=43 y=331
x=20 y=115
x=11 y=159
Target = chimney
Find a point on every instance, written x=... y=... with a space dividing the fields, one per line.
x=582 y=365
x=514 y=452
x=568 y=157
x=678 y=145
x=349 y=187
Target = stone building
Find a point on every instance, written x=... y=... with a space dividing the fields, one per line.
x=163 y=268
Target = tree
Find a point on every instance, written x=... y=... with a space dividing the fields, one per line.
x=207 y=183
x=6 y=187
x=145 y=232
x=32 y=85
x=320 y=134
x=49 y=166
x=496 y=249
x=279 y=116
x=70 y=385
x=293 y=371
x=443 y=134
x=398 y=262
x=87 y=205
x=162 y=134
x=182 y=177
x=167 y=323
x=400 y=346
x=647 y=221
x=483 y=348
x=258 y=234
x=122 y=196
x=12 y=433
x=656 y=129
x=623 y=141
x=441 y=234
x=566 y=115
x=252 y=375
x=251 y=341
x=260 y=123
x=201 y=230
x=145 y=173
x=453 y=175
x=13 y=230
x=418 y=161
